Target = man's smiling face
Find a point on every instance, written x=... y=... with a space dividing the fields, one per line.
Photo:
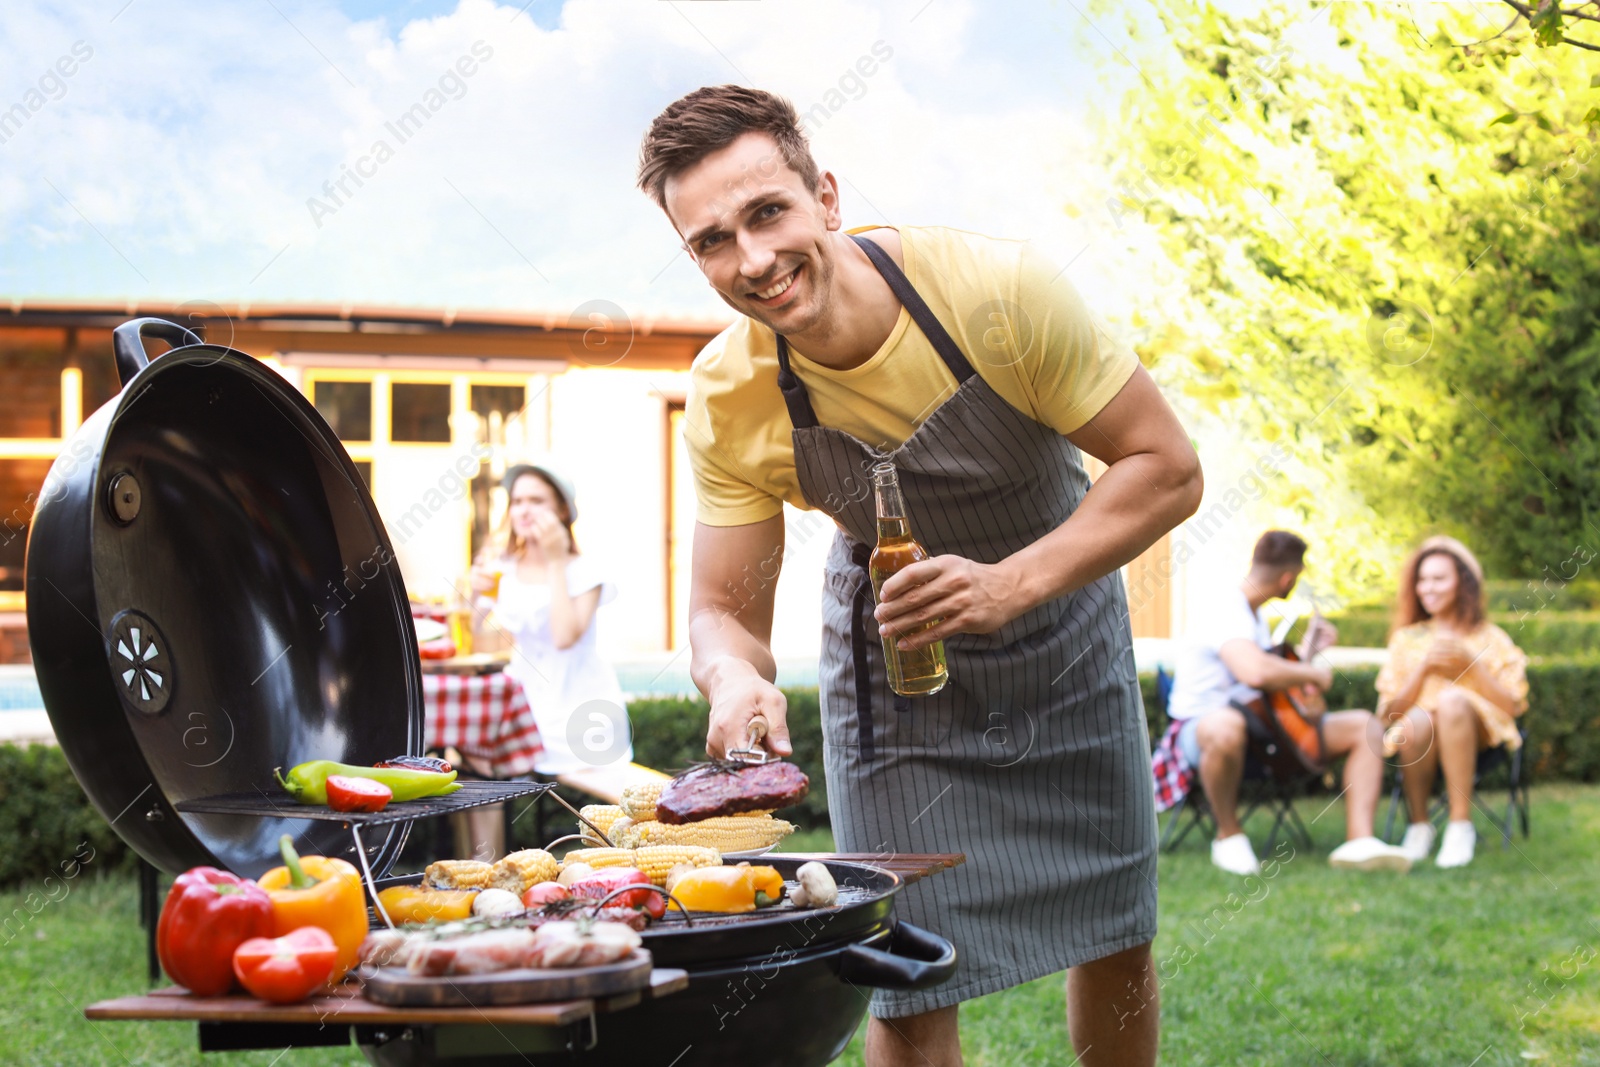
x=758 y=234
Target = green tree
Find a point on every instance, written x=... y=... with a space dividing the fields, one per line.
x=1380 y=270
x=1550 y=24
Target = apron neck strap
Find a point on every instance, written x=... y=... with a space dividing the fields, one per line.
x=795 y=397
x=921 y=314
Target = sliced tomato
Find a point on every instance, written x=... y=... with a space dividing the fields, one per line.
x=444 y=648
x=357 y=794
x=545 y=893
x=288 y=968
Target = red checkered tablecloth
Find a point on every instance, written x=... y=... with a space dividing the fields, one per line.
x=486 y=716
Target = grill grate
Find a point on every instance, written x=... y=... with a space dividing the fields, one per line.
x=474 y=793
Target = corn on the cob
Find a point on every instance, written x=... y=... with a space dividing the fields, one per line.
x=657 y=861
x=602 y=815
x=519 y=870
x=639 y=801
x=459 y=874
x=599 y=858
x=725 y=833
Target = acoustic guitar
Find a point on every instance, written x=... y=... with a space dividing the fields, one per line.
x=1288 y=722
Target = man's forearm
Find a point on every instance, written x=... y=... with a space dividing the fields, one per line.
x=1125 y=512
x=720 y=646
x=1280 y=673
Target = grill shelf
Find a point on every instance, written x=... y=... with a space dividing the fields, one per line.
x=473 y=793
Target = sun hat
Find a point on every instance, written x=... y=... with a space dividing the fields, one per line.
x=1441 y=543
x=550 y=473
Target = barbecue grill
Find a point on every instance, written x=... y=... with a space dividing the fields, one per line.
x=212 y=595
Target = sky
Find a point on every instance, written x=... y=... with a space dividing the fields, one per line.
x=195 y=151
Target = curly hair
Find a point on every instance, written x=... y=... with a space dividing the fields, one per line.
x=1470 y=608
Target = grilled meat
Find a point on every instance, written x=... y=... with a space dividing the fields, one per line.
x=730 y=788
x=484 y=953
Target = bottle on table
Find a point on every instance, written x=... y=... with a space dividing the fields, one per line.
x=921 y=671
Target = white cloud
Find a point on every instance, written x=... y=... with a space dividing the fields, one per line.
x=193 y=139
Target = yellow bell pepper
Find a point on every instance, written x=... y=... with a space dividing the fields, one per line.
x=730 y=890
x=768 y=883
x=319 y=891
x=414 y=904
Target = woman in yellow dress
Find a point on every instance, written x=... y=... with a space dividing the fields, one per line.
x=1454 y=685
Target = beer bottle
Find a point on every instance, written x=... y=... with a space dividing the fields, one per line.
x=920 y=671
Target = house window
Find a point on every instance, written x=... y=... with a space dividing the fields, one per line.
x=419 y=413
x=347 y=407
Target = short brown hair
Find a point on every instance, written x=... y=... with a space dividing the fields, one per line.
x=710 y=119
x=1279 y=550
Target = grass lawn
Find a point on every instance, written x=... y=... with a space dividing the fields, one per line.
x=1493 y=965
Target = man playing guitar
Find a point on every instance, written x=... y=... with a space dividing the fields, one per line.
x=1222 y=669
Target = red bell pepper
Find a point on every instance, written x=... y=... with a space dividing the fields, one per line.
x=208 y=914
x=288 y=968
x=604 y=882
x=357 y=794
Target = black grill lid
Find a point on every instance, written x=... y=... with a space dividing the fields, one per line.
x=212 y=595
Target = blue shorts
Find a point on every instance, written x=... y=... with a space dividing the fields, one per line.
x=1188 y=743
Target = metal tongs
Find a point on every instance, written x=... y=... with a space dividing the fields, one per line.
x=753 y=752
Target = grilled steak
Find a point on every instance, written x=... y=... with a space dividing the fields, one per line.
x=724 y=789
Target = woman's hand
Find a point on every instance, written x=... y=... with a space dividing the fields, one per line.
x=483 y=574
x=1447 y=657
x=966 y=598
x=551 y=536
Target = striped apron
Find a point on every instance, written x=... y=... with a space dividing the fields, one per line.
x=1034 y=758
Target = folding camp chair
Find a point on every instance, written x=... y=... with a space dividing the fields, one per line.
x=1489 y=760
x=1259 y=788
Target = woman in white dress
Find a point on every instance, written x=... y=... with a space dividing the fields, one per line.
x=547 y=599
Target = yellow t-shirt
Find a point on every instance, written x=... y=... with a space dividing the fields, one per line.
x=1022 y=326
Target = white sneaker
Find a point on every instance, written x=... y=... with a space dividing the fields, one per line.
x=1418 y=841
x=1234 y=855
x=1460 y=839
x=1369 y=854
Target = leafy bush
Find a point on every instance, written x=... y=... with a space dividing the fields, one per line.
x=1516 y=596
x=1538 y=633
x=45 y=819
x=44 y=816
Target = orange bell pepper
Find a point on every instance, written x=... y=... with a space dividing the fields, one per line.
x=319 y=891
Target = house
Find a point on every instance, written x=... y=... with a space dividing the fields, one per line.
x=433 y=406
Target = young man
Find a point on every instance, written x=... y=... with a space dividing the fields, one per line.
x=1225 y=663
x=980 y=374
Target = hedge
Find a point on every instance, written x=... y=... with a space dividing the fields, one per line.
x=1539 y=633
x=45 y=818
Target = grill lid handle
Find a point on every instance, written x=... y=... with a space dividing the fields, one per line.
x=127 y=341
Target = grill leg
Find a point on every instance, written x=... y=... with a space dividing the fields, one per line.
x=150 y=916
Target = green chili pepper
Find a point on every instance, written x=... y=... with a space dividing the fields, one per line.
x=308 y=782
